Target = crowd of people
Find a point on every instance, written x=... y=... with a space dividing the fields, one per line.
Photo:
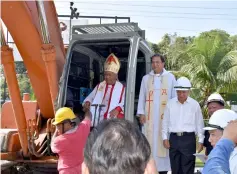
x=171 y=122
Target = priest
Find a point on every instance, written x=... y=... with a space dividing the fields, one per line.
x=107 y=99
x=157 y=88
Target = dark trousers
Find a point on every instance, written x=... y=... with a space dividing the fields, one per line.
x=181 y=153
x=163 y=172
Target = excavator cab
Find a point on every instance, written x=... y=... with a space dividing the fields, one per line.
x=86 y=54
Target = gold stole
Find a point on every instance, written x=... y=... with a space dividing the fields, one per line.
x=149 y=112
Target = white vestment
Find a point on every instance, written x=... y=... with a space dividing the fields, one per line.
x=111 y=97
x=162 y=163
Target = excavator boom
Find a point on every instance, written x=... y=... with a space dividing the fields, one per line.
x=22 y=21
x=26 y=125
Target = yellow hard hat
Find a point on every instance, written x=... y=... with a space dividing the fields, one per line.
x=63 y=114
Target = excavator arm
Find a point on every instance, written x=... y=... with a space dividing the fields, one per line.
x=23 y=22
x=35 y=29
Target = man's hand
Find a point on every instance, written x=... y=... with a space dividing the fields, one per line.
x=86 y=107
x=114 y=113
x=230 y=132
x=142 y=119
x=200 y=147
x=166 y=144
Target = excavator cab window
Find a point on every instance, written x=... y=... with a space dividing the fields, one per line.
x=86 y=69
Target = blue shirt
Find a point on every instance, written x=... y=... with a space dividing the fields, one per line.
x=218 y=160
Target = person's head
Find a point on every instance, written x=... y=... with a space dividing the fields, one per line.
x=111 y=69
x=157 y=63
x=64 y=120
x=214 y=103
x=114 y=147
x=217 y=124
x=110 y=77
x=182 y=88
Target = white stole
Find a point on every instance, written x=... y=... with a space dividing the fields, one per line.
x=149 y=112
x=113 y=103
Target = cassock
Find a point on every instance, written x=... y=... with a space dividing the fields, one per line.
x=110 y=96
x=105 y=98
x=155 y=91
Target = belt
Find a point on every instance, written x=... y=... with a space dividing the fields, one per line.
x=181 y=133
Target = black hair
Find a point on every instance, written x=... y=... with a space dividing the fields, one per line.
x=162 y=58
x=116 y=146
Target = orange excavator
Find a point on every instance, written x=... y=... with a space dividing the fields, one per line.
x=59 y=78
x=26 y=126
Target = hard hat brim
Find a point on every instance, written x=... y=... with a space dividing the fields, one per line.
x=209 y=128
x=216 y=100
x=74 y=120
x=182 y=89
x=55 y=123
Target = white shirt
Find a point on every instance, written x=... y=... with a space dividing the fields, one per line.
x=233 y=162
x=186 y=117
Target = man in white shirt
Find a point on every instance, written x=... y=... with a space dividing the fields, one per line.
x=157 y=88
x=216 y=125
x=182 y=121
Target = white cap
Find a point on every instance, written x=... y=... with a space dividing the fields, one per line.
x=183 y=84
x=215 y=97
x=220 y=119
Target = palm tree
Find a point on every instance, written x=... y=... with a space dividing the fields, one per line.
x=211 y=66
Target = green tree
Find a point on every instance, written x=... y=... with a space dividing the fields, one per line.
x=171 y=47
x=20 y=67
x=233 y=42
x=175 y=49
x=164 y=46
x=211 y=64
x=23 y=82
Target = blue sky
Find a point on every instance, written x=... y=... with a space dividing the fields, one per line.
x=186 y=18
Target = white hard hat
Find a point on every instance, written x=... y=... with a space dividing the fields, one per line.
x=215 y=97
x=220 y=119
x=183 y=84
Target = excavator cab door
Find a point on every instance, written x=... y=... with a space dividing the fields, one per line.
x=81 y=73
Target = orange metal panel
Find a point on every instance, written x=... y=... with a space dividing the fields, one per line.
x=19 y=115
x=21 y=19
x=7 y=117
x=14 y=143
x=9 y=156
